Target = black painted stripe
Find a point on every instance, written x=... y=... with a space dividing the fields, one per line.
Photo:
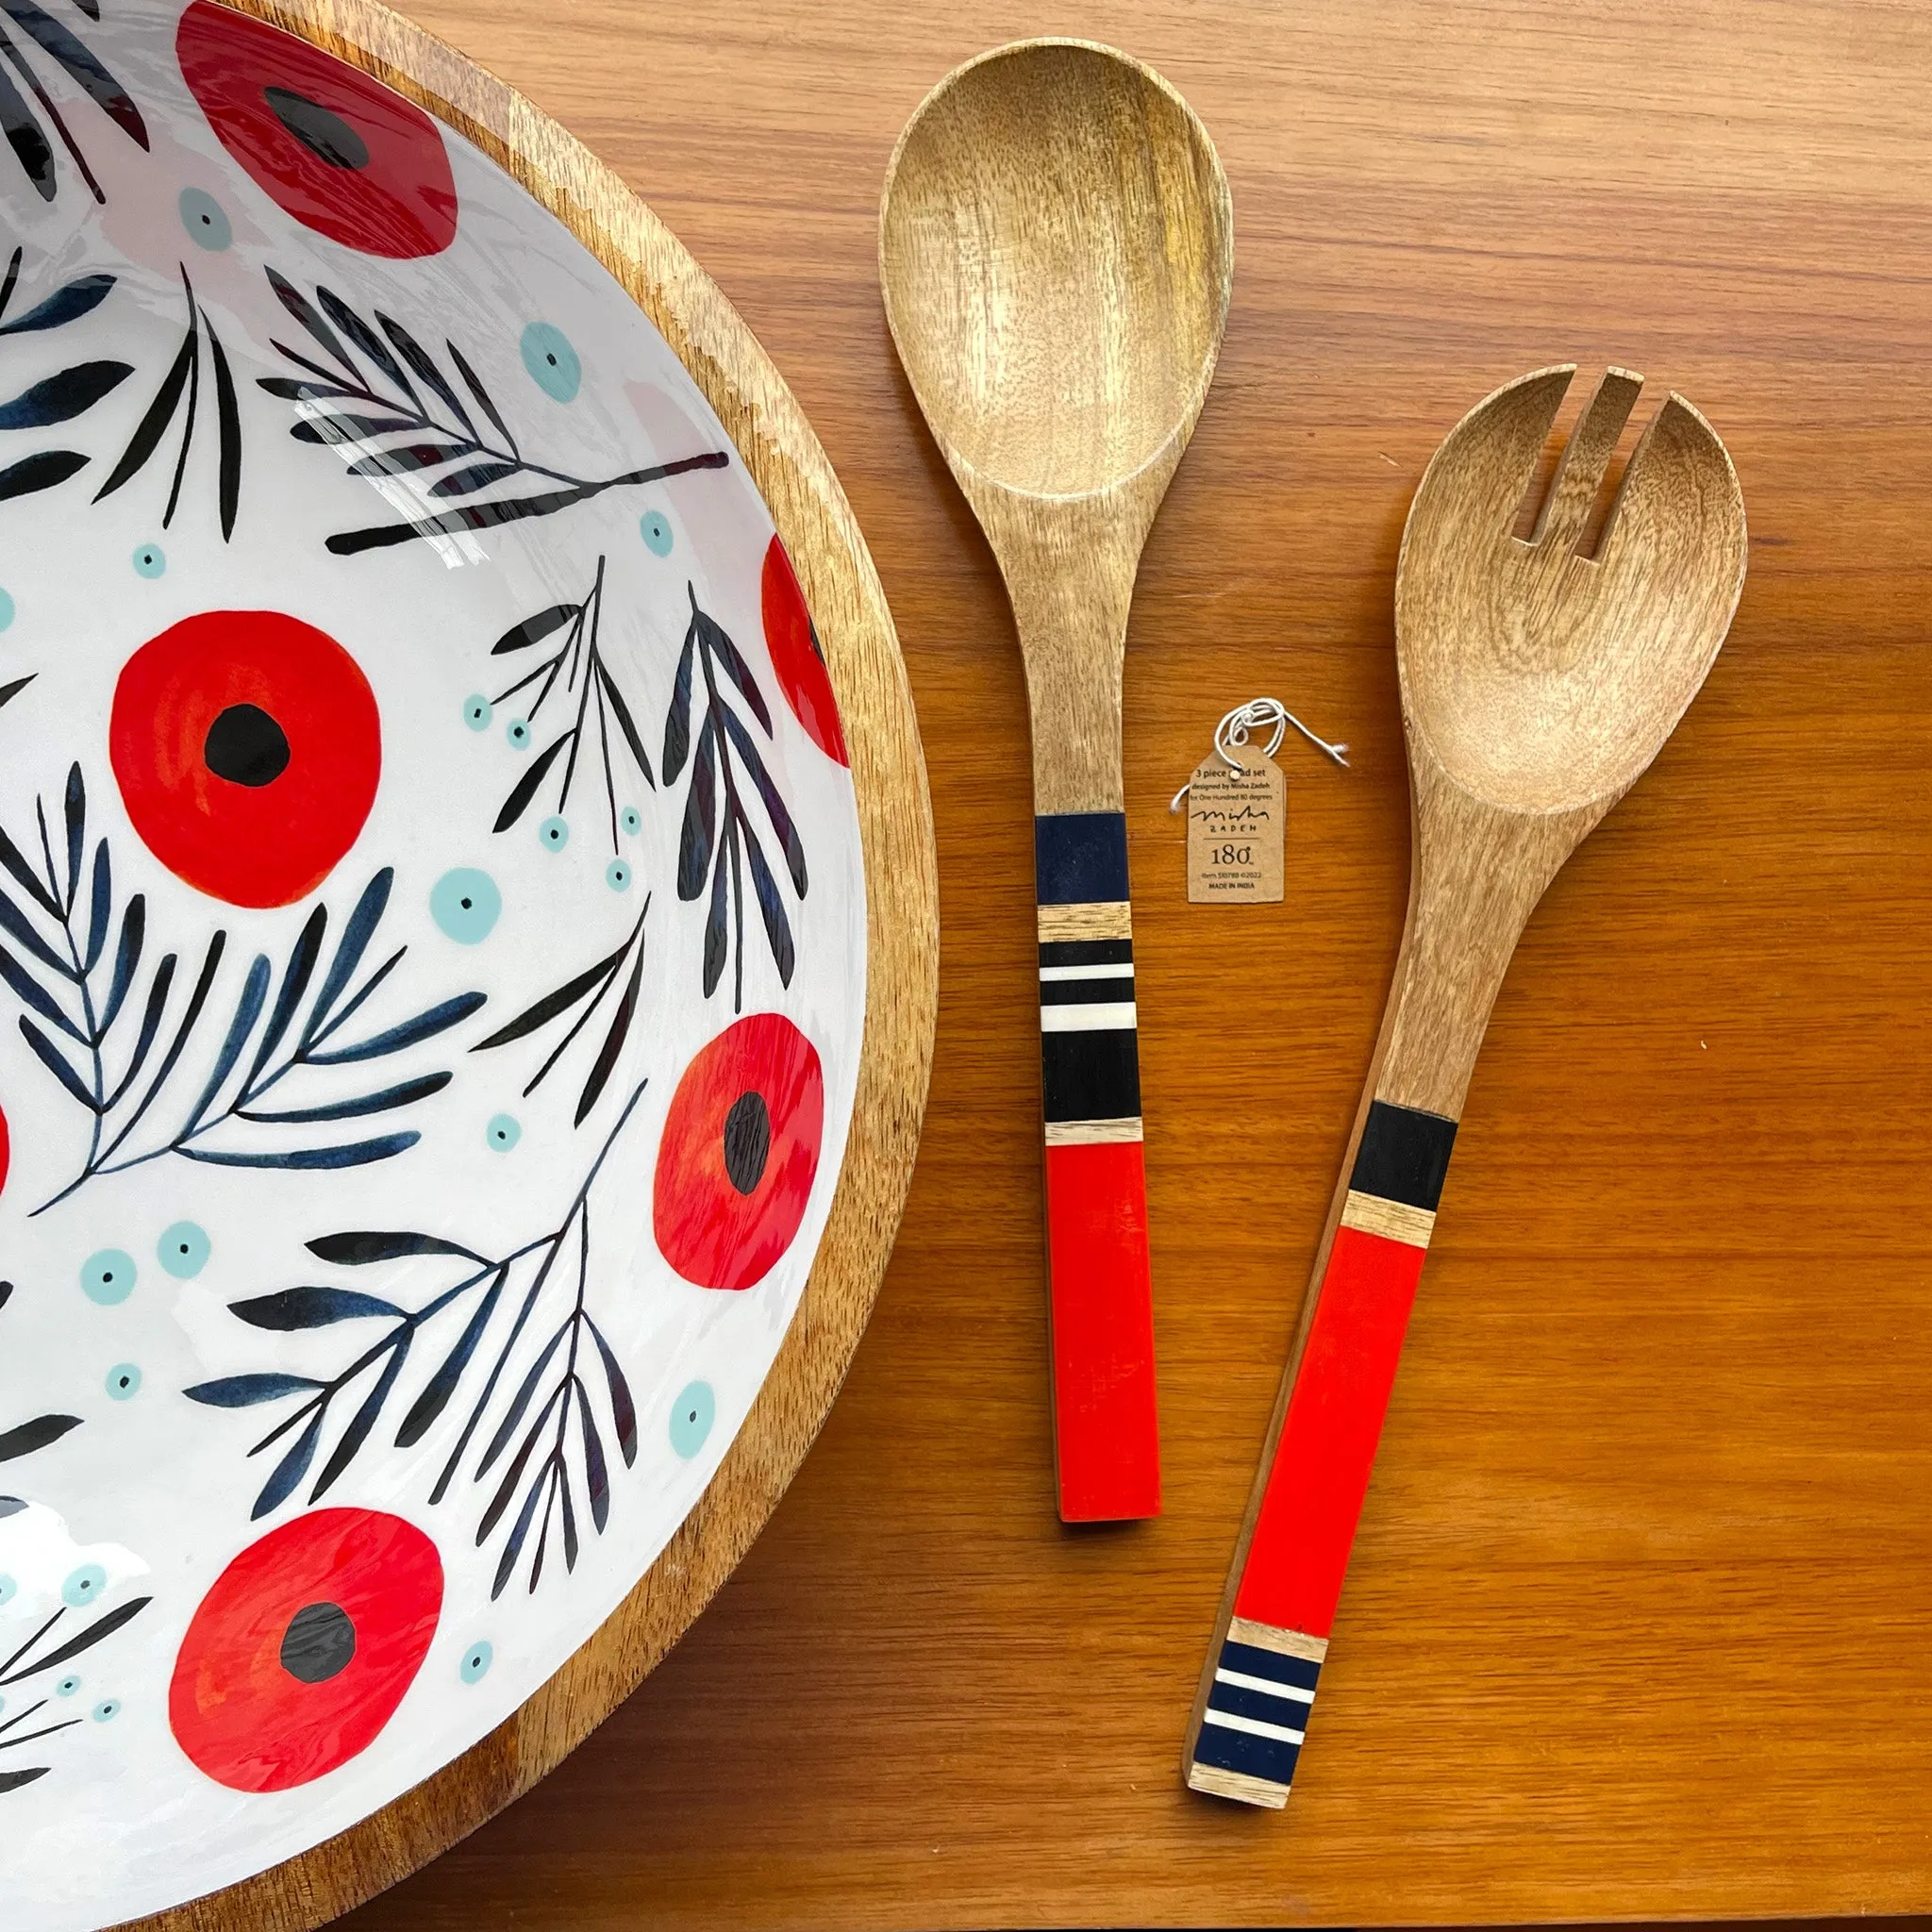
x=1289 y=1712
x=1087 y=953
x=1404 y=1156
x=1080 y=858
x=1267 y=1758
x=1086 y=992
x=1092 y=1077
x=1251 y=1661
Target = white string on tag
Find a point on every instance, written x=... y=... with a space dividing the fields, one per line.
x=1234 y=728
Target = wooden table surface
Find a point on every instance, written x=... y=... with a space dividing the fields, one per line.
x=1638 y=1618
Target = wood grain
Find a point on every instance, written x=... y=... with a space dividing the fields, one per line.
x=855 y=630
x=1636 y=1621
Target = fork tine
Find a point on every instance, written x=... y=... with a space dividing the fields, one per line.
x=1668 y=485
x=1580 y=473
x=1506 y=433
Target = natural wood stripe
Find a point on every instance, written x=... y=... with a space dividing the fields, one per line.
x=1288 y=1642
x=1110 y=919
x=1091 y=1133
x=1237 y=1784
x=1393 y=1219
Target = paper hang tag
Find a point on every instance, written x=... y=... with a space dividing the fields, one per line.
x=1237 y=820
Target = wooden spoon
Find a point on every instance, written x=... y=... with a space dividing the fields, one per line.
x=1538 y=683
x=1055 y=247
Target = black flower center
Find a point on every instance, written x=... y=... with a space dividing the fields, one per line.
x=318 y=1643
x=246 y=746
x=318 y=130
x=747 y=1141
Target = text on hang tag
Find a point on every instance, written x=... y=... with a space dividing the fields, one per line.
x=1237 y=822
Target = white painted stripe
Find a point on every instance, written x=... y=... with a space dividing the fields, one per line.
x=1048 y=975
x=1253 y=1725
x=1094 y=1019
x=1240 y=1679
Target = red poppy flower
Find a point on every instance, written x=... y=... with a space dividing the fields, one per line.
x=301 y=1652
x=247 y=745
x=795 y=655
x=344 y=155
x=741 y=1147
x=6 y=1151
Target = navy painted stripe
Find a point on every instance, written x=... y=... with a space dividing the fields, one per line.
x=1092 y=1076
x=1087 y=953
x=1261 y=1757
x=1252 y=1661
x=1086 y=992
x=1288 y=1711
x=1404 y=1156
x=1080 y=858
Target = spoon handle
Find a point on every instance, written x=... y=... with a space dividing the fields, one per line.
x=1106 y=1430
x=1260 y=1681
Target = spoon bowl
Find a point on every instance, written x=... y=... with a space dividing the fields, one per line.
x=1055 y=249
x=1543 y=676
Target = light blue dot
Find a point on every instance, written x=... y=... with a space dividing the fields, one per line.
x=183 y=1250
x=466 y=905
x=475 y=1663
x=503 y=1133
x=83 y=1585
x=691 y=1416
x=67 y=1685
x=616 y=875
x=150 y=560
x=123 y=1382
x=107 y=1277
x=519 y=733
x=106 y=1711
x=656 y=526
x=6 y=609
x=9 y=1589
x=550 y=358
x=202 y=216
x=478 y=712
x=632 y=821
x=555 y=833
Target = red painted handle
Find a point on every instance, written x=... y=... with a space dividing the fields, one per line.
x=1107 y=1434
x=1320 y=1477
x=1107 y=1431
x=1252 y=1714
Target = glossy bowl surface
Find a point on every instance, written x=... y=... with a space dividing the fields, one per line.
x=432 y=950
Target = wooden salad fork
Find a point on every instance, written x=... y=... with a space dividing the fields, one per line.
x=1055 y=248
x=1538 y=681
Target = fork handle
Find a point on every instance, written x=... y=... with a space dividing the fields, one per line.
x=1260 y=1683
x=1106 y=1436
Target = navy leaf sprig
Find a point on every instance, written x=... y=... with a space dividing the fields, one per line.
x=408 y=425
x=30 y=1660
x=719 y=838
x=67 y=393
x=57 y=958
x=547 y=1430
x=24 y=130
x=9 y=691
x=180 y=394
x=588 y=991
x=579 y=661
